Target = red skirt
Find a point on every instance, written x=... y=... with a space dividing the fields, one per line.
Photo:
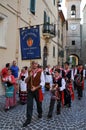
x=62 y=98
x=82 y=84
x=71 y=91
x=40 y=95
x=23 y=96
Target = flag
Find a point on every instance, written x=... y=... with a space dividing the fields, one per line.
x=30 y=43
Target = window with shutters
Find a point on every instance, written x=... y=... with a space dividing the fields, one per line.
x=45 y=17
x=73 y=42
x=58 y=33
x=32 y=6
x=3 y=30
x=53 y=51
x=54 y=2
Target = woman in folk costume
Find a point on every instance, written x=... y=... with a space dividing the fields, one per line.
x=56 y=93
x=23 y=86
x=9 y=81
x=34 y=82
x=68 y=92
x=48 y=77
x=80 y=81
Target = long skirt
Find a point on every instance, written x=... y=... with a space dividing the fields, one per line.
x=23 y=97
x=9 y=102
x=9 y=97
x=23 y=92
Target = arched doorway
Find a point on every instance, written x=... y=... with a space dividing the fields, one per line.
x=45 y=54
x=73 y=59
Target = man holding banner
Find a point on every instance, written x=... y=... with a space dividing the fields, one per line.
x=34 y=82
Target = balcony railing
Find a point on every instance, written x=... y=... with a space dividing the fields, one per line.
x=49 y=30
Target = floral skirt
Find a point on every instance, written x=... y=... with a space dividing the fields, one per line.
x=23 y=96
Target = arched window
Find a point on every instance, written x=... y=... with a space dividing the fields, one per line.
x=73 y=11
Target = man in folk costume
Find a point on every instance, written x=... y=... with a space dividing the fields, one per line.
x=56 y=92
x=80 y=81
x=34 y=82
x=75 y=76
x=68 y=92
x=62 y=72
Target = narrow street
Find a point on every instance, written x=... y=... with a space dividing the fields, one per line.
x=73 y=118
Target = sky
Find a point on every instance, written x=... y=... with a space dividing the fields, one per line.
x=83 y=2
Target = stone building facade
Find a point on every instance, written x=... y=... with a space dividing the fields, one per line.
x=83 y=52
x=73 y=47
x=62 y=29
x=16 y=14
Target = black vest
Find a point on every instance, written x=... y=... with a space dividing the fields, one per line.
x=68 y=75
x=58 y=81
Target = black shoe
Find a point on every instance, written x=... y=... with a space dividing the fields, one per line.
x=69 y=105
x=26 y=123
x=6 y=109
x=49 y=116
x=40 y=116
x=12 y=107
x=79 y=98
x=58 y=112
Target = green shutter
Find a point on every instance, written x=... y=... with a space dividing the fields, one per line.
x=54 y=2
x=45 y=17
x=53 y=51
x=32 y=6
x=49 y=20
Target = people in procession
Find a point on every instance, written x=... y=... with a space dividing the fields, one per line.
x=34 y=82
x=23 y=86
x=15 y=69
x=75 y=76
x=68 y=92
x=62 y=72
x=9 y=82
x=32 y=86
x=4 y=71
x=48 y=76
x=80 y=76
x=56 y=90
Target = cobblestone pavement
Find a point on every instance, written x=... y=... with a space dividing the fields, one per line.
x=73 y=118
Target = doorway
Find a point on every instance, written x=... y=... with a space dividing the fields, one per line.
x=45 y=54
x=73 y=60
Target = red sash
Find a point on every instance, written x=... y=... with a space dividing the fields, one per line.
x=40 y=95
x=71 y=91
x=62 y=98
x=82 y=84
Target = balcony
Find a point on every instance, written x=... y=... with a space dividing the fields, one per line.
x=49 y=30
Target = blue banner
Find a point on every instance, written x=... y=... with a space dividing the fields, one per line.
x=30 y=43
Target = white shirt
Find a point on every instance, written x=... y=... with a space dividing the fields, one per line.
x=63 y=84
x=42 y=83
